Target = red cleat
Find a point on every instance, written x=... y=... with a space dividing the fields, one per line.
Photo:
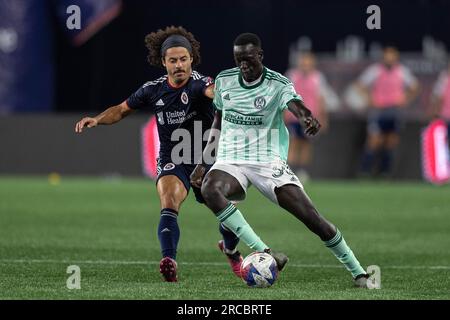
x=168 y=268
x=235 y=260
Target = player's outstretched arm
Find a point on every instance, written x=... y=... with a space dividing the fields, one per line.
x=304 y=114
x=199 y=172
x=109 y=116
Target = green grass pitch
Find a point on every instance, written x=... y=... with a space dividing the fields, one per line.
x=108 y=229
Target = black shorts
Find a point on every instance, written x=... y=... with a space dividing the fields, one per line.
x=387 y=120
x=182 y=172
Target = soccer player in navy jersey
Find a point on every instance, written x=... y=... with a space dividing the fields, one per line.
x=179 y=99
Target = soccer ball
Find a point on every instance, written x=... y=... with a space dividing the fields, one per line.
x=259 y=270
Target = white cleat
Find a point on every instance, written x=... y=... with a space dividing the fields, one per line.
x=361 y=281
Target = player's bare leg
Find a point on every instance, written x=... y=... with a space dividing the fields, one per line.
x=172 y=193
x=217 y=188
x=296 y=201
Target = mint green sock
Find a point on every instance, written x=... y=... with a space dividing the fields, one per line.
x=233 y=219
x=344 y=254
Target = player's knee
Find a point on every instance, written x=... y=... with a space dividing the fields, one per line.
x=211 y=190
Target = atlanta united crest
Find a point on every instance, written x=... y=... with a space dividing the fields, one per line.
x=260 y=103
x=184 y=97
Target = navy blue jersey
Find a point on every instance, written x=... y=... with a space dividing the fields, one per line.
x=186 y=108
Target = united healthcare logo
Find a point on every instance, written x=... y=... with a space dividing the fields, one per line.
x=259 y=103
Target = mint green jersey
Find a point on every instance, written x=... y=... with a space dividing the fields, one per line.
x=253 y=130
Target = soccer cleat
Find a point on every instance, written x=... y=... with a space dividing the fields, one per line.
x=361 y=281
x=235 y=260
x=168 y=268
x=280 y=258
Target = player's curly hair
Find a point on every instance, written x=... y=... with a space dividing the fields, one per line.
x=154 y=40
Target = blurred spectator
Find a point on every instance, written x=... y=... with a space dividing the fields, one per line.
x=389 y=87
x=311 y=85
x=440 y=100
x=27 y=56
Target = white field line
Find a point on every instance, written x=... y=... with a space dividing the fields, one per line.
x=129 y=262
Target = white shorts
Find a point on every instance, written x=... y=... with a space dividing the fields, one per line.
x=265 y=177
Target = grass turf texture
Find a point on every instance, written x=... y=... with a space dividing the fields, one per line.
x=108 y=228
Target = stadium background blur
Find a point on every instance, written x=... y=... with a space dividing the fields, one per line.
x=55 y=211
x=49 y=73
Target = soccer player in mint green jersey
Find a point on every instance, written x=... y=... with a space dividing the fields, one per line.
x=252 y=149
